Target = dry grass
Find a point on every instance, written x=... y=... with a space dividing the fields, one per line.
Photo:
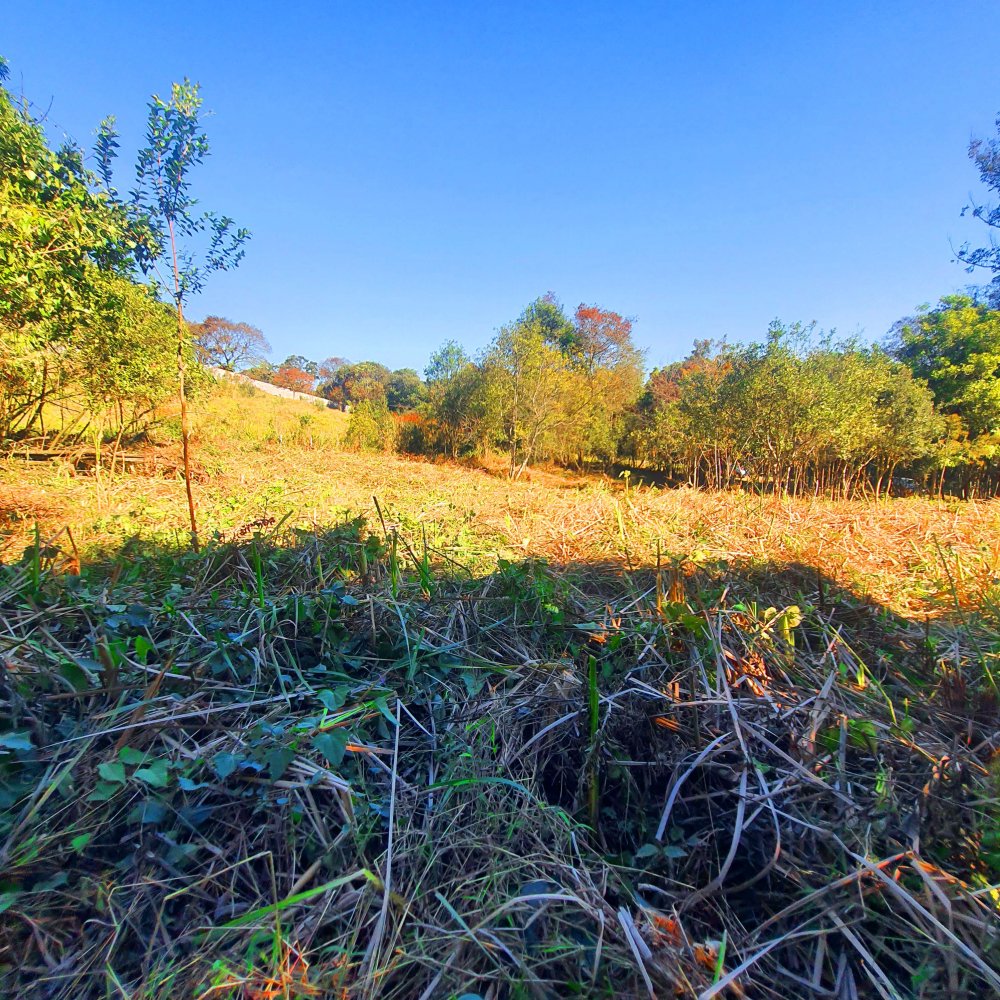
x=254 y=459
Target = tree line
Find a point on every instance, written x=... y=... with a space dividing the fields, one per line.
x=799 y=411
x=93 y=338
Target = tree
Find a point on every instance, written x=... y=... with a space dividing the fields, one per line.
x=124 y=361
x=548 y=314
x=446 y=362
x=298 y=361
x=371 y=427
x=263 y=371
x=404 y=390
x=162 y=200
x=229 y=345
x=985 y=153
x=601 y=351
x=60 y=240
x=297 y=379
x=455 y=400
x=351 y=384
x=528 y=385
x=955 y=349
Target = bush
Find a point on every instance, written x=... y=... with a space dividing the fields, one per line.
x=414 y=434
x=371 y=428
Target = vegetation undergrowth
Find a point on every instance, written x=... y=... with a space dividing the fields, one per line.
x=337 y=763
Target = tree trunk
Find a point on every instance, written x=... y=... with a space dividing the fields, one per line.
x=181 y=395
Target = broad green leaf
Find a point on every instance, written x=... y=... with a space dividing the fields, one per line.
x=224 y=764
x=277 y=761
x=112 y=770
x=332 y=744
x=143 y=647
x=103 y=791
x=15 y=741
x=156 y=774
x=332 y=700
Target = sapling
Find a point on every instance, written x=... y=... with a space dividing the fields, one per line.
x=197 y=242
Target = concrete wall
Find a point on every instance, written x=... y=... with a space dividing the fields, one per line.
x=272 y=390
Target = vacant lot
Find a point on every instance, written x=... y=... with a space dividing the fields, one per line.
x=410 y=730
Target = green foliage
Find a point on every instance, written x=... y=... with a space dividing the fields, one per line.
x=794 y=413
x=57 y=232
x=346 y=384
x=74 y=329
x=528 y=392
x=985 y=153
x=404 y=390
x=955 y=349
x=175 y=144
x=371 y=427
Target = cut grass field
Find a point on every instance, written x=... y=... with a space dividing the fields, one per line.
x=406 y=729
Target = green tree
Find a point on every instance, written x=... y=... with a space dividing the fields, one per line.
x=955 y=349
x=446 y=362
x=608 y=367
x=371 y=427
x=985 y=153
x=528 y=385
x=349 y=384
x=60 y=238
x=455 y=401
x=404 y=390
x=301 y=362
x=194 y=243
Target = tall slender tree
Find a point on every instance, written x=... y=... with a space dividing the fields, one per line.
x=193 y=243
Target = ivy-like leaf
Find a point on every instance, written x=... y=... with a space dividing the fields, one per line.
x=332 y=744
x=156 y=774
x=113 y=771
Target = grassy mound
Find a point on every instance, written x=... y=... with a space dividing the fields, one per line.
x=340 y=763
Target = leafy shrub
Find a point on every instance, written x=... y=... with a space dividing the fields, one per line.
x=371 y=428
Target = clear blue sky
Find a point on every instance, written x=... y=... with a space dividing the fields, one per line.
x=415 y=172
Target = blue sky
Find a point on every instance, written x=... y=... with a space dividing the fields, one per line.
x=416 y=172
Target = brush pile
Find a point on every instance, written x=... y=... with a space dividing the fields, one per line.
x=333 y=765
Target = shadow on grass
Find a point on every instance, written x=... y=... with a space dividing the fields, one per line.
x=336 y=764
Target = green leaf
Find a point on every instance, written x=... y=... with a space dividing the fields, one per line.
x=103 y=791
x=332 y=700
x=150 y=811
x=862 y=733
x=332 y=744
x=156 y=774
x=16 y=741
x=131 y=756
x=80 y=842
x=76 y=673
x=648 y=851
x=7 y=900
x=382 y=706
x=673 y=851
x=112 y=770
x=277 y=761
x=143 y=647
x=224 y=764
